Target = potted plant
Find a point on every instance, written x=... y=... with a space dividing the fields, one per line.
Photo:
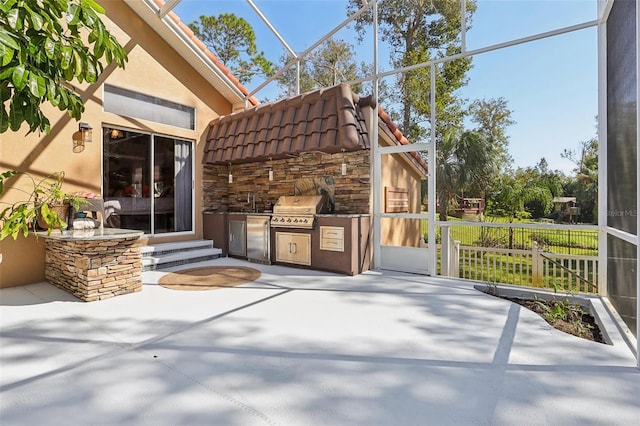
x=45 y=205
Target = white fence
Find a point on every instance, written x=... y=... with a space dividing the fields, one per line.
x=533 y=268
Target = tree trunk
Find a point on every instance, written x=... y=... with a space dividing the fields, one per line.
x=443 y=211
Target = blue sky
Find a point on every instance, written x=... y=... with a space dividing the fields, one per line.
x=550 y=85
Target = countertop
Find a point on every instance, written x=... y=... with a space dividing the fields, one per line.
x=343 y=215
x=91 y=234
x=318 y=215
x=245 y=213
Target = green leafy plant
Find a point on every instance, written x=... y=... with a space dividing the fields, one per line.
x=44 y=46
x=492 y=289
x=563 y=309
x=42 y=197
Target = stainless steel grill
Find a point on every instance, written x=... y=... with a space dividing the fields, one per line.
x=299 y=211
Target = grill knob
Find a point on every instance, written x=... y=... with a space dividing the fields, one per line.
x=288 y=220
x=295 y=220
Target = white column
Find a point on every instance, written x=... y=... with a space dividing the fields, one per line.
x=637 y=185
x=602 y=156
x=431 y=196
x=445 y=251
x=376 y=166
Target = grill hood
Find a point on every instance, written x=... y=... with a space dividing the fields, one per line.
x=302 y=205
x=299 y=211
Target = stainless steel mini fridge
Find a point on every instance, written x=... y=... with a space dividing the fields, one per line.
x=258 y=239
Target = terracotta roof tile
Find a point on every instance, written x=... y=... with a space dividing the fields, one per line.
x=392 y=127
x=328 y=120
x=400 y=138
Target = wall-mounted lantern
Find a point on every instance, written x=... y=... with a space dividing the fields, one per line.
x=82 y=136
x=87 y=132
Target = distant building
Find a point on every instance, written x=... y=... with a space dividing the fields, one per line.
x=471 y=209
x=565 y=209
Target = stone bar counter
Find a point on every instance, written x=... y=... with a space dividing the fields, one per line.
x=94 y=264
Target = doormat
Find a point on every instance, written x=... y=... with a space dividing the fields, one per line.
x=209 y=278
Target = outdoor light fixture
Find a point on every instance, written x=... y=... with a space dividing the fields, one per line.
x=86 y=132
x=230 y=175
x=270 y=171
x=83 y=135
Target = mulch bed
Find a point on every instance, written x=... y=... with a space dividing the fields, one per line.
x=578 y=322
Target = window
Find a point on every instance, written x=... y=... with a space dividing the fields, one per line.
x=128 y=103
x=148 y=182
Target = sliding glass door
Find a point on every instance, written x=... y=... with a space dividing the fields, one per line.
x=147 y=182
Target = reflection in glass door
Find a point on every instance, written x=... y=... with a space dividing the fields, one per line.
x=147 y=182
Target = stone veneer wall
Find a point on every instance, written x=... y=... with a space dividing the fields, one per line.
x=94 y=269
x=351 y=191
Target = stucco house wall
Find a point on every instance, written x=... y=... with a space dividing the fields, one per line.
x=154 y=68
x=398 y=172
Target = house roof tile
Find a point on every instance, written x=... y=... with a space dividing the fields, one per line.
x=187 y=31
x=400 y=138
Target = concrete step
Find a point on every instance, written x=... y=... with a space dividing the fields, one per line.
x=166 y=255
x=167 y=248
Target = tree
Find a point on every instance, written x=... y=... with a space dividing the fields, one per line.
x=584 y=185
x=520 y=192
x=551 y=184
x=492 y=117
x=45 y=45
x=460 y=159
x=233 y=41
x=419 y=31
x=331 y=63
x=288 y=81
x=586 y=159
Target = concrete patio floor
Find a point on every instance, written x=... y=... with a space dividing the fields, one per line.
x=301 y=347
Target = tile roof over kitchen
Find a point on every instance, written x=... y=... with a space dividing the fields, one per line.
x=329 y=120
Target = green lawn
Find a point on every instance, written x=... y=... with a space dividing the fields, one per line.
x=578 y=242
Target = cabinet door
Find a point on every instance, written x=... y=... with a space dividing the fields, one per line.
x=238 y=237
x=293 y=248
x=258 y=238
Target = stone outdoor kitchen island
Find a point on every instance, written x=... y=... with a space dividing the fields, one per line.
x=94 y=264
